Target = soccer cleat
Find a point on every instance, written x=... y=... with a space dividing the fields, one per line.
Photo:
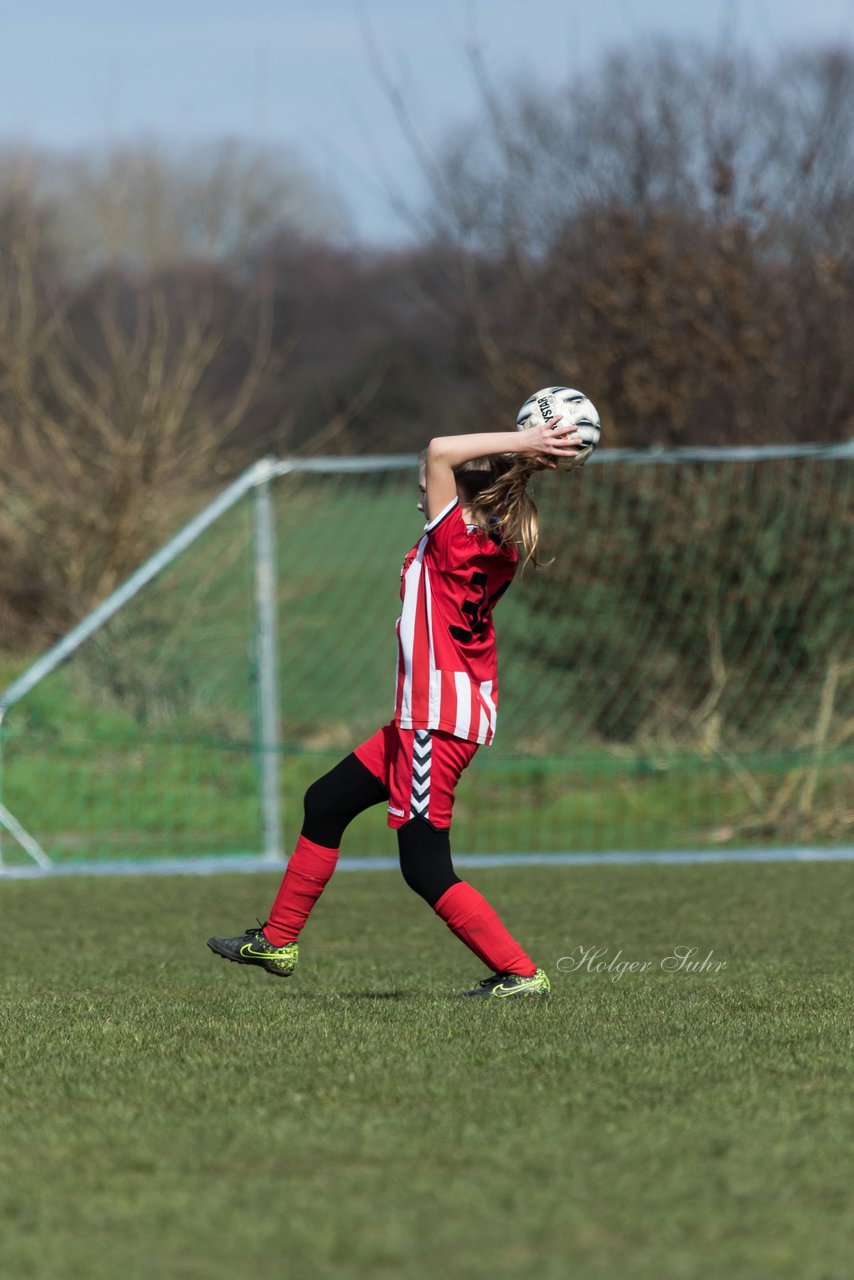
x=253 y=948
x=503 y=986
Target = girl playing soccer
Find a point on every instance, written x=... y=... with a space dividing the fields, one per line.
x=480 y=517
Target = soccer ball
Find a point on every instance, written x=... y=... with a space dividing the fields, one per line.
x=573 y=406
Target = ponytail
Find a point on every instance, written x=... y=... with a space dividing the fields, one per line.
x=496 y=493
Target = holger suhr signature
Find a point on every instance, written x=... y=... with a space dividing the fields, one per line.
x=681 y=959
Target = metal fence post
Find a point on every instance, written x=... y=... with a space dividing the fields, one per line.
x=268 y=671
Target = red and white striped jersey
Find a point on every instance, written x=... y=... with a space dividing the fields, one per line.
x=447 y=669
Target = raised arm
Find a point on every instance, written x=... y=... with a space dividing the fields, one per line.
x=553 y=441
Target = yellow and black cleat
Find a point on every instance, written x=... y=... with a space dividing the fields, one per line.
x=253 y=948
x=504 y=986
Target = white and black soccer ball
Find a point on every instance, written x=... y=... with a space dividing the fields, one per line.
x=573 y=406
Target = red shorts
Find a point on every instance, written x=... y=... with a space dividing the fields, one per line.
x=420 y=769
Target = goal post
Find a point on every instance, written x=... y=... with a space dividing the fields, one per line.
x=679 y=677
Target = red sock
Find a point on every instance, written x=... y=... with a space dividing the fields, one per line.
x=470 y=917
x=309 y=869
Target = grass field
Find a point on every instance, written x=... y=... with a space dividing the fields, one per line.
x=166 y=1113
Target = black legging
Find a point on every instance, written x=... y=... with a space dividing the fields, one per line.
x=333 y=801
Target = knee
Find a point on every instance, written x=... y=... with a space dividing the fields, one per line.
x=323 y=819
x=425 y=859
x=333 y=801
x=316 y=800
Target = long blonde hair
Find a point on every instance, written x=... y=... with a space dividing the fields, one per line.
x=495 y=490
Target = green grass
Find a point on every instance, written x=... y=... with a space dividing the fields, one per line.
x=166 y=1113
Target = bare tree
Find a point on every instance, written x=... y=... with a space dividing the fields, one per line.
x=144 y=205
x=677 y=239
x=110 y=410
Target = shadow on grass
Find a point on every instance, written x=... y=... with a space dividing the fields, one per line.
x=378 y=995
x=311 y=996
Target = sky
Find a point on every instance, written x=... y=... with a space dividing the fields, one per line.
x=304 y=72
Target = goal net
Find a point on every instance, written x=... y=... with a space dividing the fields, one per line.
x=679 y=677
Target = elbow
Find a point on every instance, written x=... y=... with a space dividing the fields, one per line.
x=437 y=449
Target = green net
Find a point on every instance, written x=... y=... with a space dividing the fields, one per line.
x=680 y=676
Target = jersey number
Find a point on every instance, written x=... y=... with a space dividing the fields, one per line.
x=477 y=611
